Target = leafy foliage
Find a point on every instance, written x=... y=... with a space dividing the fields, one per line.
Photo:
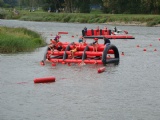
x=83 y=6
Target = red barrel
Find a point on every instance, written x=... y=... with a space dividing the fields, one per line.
x=44 y=80
x=102 y=69
x=62 y=32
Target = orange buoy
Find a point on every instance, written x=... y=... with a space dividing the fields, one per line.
x=62 y=32
x=155 y=49
x=144 y=49
x=44 y=80
x=53 y=64
x=63 y=62
x=42 y=63
x=102 y=69
x=137 y=45
x=122 y=54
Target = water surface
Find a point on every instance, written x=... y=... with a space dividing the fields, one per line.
x=129 y=91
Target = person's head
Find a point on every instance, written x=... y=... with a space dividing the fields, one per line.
x=57 y=36
x=96 y=39
x=73 y=43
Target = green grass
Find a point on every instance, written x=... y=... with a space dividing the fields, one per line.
x=96 y=16
x=13 y=40
x=96 y=12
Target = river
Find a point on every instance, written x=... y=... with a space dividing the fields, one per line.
x=129 y=91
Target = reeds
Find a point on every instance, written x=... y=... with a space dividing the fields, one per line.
x=13 y=40
x=151 y=20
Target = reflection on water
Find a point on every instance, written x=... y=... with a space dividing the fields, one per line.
x=127 y=91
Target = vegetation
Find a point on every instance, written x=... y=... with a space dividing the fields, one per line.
x=85 y=6
x=101 y=11
x=95 y=16
x=82 y=11
x=13 y=40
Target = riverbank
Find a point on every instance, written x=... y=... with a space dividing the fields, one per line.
x=133 y=23
x=113 y=19
x=13 y=40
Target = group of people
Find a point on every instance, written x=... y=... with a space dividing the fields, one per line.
x=82 y=41
x=95 y=43
x=56 y=44
x=105 y=28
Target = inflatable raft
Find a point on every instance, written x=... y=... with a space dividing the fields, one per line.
x=100 y=33
x=105 y=54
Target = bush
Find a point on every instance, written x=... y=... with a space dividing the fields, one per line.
x=66 y=19
x=2 y=13
x=14 y=40
x=103 y=20
x=153 y=22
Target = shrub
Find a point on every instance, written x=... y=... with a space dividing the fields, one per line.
x=19 y=40
x=2 y=13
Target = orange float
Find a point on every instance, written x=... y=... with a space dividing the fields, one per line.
x=44 y=80
x=62 y=32
x=85 y=53
x=102 y=69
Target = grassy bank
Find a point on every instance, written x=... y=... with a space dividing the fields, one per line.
x=93 y=17
x=13 y=40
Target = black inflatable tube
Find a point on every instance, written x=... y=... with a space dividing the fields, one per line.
x=101 y=37
x=45 y=54
x=105 y=51
x=84 y=55
x=100 y=31
x=92 y=31
x=65 y=56
x=83 y=33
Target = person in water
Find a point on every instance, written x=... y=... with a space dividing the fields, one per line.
x=106 y=41
x=59 y=46
x=95 y=44
x=115 y=29
x=81 y=41
x=52 y=45
x=73 y=50
x=84 y=31
x=57 y=38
